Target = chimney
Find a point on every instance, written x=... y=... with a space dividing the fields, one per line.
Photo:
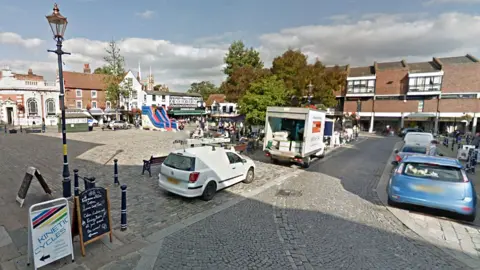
x=86 y=68
x=30 y=71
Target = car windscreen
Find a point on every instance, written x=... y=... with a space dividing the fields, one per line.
x=180 y=162
x=433 y=172
x=414 y=149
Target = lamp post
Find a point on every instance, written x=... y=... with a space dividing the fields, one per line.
x=58 y=24
x=310 y=93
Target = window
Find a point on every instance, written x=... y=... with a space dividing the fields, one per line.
x=145 y=98
x=94 y=104
x=420 y=106
x=458 y=96
x=130 y=81
x=134 y=95
x=78 y=104
x=32 y=106
x=414 y=149
x=94 y=94
x=361 y=86
x=233 y=158
x=163 y=98
x=50 y=105
x=134 y=105
x=78 y=93
x=433 y=172
x=180 y=162
x=422 y=84
x=108 y=104
x=154 y=98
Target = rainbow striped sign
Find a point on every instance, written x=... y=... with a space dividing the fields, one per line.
x=50 y=232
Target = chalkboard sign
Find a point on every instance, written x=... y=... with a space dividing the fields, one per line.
x=93 y=210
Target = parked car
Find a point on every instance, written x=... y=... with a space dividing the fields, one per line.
x=202 y=171
x=418 y=138
x=118 y=124
x=408 y=150
x=435 y=182
x=404 y=131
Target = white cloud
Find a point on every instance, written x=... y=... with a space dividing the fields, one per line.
x=147 y=14
x=16 y=39
x=431 y=2
x=359 y=41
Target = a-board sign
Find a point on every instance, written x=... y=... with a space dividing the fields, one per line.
x=49 y=232
x=27 y=180
x=93 y=210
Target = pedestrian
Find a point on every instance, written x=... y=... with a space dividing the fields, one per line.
x=476 y=140
x=432 y=149
x=43 y=125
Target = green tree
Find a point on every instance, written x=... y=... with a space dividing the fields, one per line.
x=204 y=88
x=239 y=56
x=102 y=70
x=326 y=82
x=268 y=91
x=237 y=84
x=293 y=69
x=115 y=89
x=161 y=88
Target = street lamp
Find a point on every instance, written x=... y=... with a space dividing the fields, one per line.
x=58 y=24
x=310 y=93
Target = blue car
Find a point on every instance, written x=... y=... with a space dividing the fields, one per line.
x=434 y=182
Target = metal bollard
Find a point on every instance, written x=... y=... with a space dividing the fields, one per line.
x=76 y=190
x=123 y=225
x=5 y=127
x=92 y=182
x=115 y=172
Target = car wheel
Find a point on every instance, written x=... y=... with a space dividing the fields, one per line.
x=274 y=161
x=209 y=191
x=469 y=218
x=306 y=162
x=250 y=176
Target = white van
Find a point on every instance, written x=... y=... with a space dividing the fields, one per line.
x=202 y=171
x=418 y=138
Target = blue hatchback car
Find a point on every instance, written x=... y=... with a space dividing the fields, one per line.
x=435 y=182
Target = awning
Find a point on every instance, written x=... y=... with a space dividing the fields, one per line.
x=187 y=112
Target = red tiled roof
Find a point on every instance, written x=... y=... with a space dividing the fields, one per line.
x=219 y=98
x=78 y=80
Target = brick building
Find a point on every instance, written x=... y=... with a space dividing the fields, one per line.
x=84 y=89
x=441 y=94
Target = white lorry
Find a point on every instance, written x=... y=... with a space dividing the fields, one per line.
x=294 y=134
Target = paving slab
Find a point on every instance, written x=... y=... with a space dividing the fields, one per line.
x=5 y=238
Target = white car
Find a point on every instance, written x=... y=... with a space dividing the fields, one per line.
x=418 y=138
x=202 y=171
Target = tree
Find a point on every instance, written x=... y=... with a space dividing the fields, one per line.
x=325 y=81
x=204 y=88
x=268 y=91
x=102 y=70
x=293 y=69
x=239 y=56
x=161 y=88
x=237 y=84
x=115 y=89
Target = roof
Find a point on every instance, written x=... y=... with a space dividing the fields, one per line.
x=219 y=98
x=467 y=59
x=161 y=93
x=423 y=67
x=334 y=68
x=391 y=65
x=79 y=80
x=438 y=160
x=361 y=71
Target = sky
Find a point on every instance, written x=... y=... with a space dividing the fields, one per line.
x=185 y=41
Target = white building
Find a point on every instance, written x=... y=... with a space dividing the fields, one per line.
x=137 y=97
x=218 y=106
x=26 y=99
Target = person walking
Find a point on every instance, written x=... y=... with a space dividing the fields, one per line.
x=432 y=149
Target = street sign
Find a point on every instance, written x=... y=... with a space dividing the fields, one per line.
x=49 y=235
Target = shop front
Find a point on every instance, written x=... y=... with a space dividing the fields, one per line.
x=186 y=106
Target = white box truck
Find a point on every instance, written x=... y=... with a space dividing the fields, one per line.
x=294 y=134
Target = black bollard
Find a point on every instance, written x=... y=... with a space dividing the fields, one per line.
x=123 y=225
x=92 y=182
x=5 y=127
x=115 y=172
x=76 y=190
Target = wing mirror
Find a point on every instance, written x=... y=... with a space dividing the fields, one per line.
x=244 y=160
x=396 y=151
x=395 y=163
x=440 y=154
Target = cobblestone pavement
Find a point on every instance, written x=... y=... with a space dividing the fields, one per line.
x=150 y=209
x=312 y=221
x=459 y=239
